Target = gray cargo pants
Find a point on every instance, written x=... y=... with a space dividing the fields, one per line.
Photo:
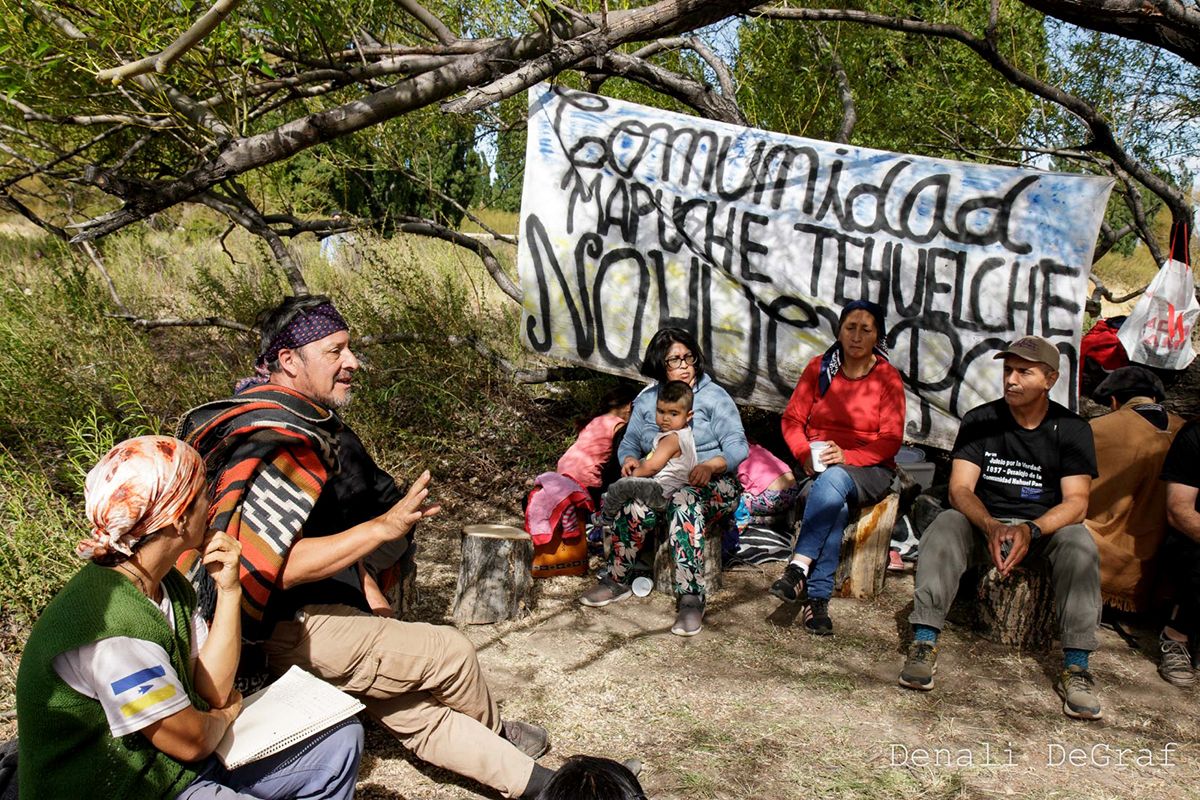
x=951 y=544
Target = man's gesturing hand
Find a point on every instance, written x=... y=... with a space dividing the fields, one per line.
x=410 y=510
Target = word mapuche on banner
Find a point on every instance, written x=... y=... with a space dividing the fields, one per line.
x=634 y=218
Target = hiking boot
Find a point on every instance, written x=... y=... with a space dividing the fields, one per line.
x=690 y=615
x=1077 y=688
x=532 y=740
x=920 y=666
x=1175 y=663
x=816 y=617
x=792 y=587
x=604 y=592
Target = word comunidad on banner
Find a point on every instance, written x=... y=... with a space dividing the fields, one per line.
x=633 y=218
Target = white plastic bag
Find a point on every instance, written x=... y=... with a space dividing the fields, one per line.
x=1158 y=332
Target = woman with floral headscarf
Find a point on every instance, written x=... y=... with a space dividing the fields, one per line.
x=124 y=690
x=850 y=400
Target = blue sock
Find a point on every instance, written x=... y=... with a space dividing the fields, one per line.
x=924 y=633
x=1075 y=658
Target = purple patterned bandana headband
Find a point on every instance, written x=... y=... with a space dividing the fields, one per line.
x=309 y=325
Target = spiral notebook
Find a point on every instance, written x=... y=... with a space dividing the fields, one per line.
x=288 y=711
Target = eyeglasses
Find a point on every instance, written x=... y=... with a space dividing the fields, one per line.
x=675 y=362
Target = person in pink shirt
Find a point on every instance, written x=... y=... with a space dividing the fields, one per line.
x=589 y=461
x=851 y=400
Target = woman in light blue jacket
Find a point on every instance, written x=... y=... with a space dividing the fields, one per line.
x=674 y=355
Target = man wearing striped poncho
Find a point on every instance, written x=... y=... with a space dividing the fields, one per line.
x=313 y=512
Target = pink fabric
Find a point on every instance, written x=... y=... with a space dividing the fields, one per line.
x=552 y=497
x=760 y=469
x=140 y=486
x=585 y=459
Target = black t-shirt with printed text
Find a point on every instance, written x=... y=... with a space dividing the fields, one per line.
x=1021 y=470
x=1182 y=464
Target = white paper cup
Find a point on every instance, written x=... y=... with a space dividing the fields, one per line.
x=818 y=448
x=642 y=586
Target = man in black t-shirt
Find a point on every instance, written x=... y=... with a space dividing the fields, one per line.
x=1022 y=467
x=1181 y=556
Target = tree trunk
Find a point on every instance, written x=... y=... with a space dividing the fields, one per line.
x=863 y=561
x=1017 y=610
x=664 y=558
x=494 y=582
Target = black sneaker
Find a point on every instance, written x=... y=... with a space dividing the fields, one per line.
x=816 y=617
x=792 y=587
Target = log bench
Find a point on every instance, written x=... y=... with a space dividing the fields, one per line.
x=494 y=579
x=865 y=542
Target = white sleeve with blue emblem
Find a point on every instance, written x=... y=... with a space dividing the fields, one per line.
x=132 y=679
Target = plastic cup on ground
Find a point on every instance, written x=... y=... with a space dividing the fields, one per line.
x=642 y=586
x=817 y=449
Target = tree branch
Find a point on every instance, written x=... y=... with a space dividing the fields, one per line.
x=237 y=156
x=54 y=19
x=662 y=18
x=161 y=62
x=424 y=227
x=243 y=212
x=1170 y=24
x=1102 y=133
x=435 y=25
x=179 y=322
x=849 y=111
x=700 y=96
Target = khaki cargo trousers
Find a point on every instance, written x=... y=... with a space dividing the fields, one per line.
x=420 y=681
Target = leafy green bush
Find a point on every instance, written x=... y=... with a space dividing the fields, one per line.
x=39 y=528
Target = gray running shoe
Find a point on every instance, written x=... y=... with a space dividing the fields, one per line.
x=690 y=616
x=532 y=740
x=1077 y=688
x=1175 y=662
x=604 y=592
x=919 y=667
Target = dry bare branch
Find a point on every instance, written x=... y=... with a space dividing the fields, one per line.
x=424 y=227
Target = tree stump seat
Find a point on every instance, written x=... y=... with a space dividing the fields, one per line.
x=865 y=542
x=494 y=579
x=1017 y=610
x=664 y=560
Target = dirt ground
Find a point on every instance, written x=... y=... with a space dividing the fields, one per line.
x=754 y=707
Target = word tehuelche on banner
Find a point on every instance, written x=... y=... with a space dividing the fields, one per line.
x=634 y=218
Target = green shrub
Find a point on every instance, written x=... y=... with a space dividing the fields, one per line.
x=39 y=528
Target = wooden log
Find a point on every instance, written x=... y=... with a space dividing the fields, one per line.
x=863 y=562
x=664 y=558
x=1017 y=610
x=494 y=582
x=401 y=585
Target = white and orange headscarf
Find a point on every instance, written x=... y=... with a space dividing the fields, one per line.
x=140 y=486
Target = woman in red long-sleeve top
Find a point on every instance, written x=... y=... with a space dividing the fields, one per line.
x=851 y=399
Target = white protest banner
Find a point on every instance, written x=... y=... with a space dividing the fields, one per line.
x=634 y=218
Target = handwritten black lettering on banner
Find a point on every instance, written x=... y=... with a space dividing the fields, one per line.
x=633 y=219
